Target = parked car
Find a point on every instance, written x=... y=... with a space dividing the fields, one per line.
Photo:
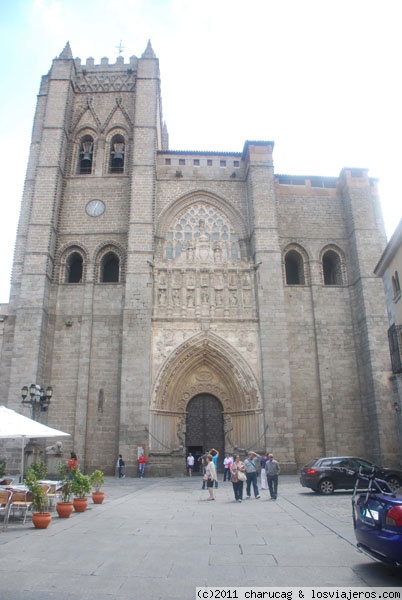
x=331 y=473
x=377 y=520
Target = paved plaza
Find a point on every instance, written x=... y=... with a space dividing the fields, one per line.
x=160 y=539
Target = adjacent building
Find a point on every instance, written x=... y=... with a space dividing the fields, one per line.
x=389 y=267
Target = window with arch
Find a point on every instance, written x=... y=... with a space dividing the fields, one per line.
x=294 y=268
x=110 y=268
x=332 y=268
x=202 y=225
x=85 y=156
x=117 y=154
x=74 y=268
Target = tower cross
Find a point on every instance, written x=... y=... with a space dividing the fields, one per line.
x=120 y=48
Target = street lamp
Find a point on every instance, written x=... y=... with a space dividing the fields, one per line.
x=38 y=398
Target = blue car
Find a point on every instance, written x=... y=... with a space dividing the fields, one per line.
x=377 y=519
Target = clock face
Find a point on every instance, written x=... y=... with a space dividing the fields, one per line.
x=94 y=208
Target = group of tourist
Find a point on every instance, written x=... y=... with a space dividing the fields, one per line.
x=142 y=459
x=235 y=470
x=239 y=472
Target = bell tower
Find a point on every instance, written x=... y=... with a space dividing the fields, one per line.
x=31 y=298
x=80 y=307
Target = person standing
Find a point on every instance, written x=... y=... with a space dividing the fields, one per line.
x=142 y=459
x=203 y=461
x=227 y=461
x=72 y=465
x=210 y=472
x=251 y=463
x=272 y=469
x=190 y=464
x=215 y=454
x=264 y=482
x=120 y=466
x=237 y=467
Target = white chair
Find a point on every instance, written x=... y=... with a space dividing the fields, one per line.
x=20 y=503
x=5 y=505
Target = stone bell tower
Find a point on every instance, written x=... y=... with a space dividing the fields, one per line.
x=87 y=219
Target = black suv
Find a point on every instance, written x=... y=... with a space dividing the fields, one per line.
x=340 y=472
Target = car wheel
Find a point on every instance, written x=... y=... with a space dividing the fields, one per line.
x=326 y=486
x=394 y=482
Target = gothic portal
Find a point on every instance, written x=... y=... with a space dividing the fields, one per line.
x=177 y=300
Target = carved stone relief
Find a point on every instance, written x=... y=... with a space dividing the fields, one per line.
x=203 y=364
x=207 y=291
x=104 y=82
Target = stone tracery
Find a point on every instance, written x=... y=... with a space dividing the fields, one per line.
x=201 y=233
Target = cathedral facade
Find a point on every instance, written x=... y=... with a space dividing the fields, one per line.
x=179 y=301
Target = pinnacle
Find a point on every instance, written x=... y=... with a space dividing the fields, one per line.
x=66 y=53
x=149 y=52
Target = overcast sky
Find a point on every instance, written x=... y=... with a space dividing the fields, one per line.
x=321 y=78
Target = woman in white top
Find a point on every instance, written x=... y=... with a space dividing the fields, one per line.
x=190 y=463
x=210 y=472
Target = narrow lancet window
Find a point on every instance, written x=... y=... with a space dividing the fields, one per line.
x=74 y=268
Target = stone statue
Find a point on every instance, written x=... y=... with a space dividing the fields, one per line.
x=181 y=430
x=54 y=449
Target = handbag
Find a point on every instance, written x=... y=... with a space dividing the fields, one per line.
x=241 y=476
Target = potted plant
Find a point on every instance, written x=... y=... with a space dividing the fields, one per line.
x=80 y=486
x=97 y=480
x=41 y=517
x=64 y=506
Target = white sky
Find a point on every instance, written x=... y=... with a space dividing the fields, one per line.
x=321 y=78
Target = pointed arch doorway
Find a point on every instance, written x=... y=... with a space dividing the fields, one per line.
x=204 y=427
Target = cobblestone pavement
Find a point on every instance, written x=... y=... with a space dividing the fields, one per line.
x=160 y=539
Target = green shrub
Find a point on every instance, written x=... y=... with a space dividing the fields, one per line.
x=97 y=479
x=39 y=497
x=3 y=467
x=66 y=487
x=80 y=484
x=38 y=470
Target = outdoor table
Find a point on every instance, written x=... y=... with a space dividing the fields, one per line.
x=53 y=485
x=17 y=487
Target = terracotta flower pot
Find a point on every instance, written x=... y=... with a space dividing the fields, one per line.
x=80 y=504
x=98 y=497
x=64 y=509
x=41 y=520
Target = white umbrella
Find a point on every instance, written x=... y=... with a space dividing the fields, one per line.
x=14 y=425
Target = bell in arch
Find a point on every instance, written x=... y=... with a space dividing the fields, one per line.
x=86 y=152
x=117 y=163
